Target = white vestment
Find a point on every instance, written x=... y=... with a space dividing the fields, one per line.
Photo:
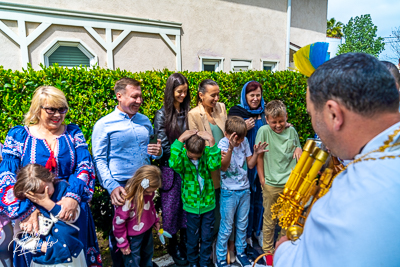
x=356 y=223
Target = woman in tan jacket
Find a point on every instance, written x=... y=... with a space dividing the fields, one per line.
x=210 y=115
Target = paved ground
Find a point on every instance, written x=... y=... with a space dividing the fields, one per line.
x=166 y=260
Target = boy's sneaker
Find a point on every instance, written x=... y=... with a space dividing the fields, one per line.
x=249 y=241
x=259 y=239
x=221 y=264
x=243 y=260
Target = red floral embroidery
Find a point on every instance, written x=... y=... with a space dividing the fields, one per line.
x=8 y=197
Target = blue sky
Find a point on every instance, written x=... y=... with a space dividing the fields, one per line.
x=384 y=13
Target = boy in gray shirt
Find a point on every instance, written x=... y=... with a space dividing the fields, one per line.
x=235 y=188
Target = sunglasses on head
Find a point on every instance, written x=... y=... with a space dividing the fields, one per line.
x=53 y=110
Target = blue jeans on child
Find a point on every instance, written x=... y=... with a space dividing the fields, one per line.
x=141 y=250
x=233 y=202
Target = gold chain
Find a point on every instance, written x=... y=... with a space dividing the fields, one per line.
x=380 y=149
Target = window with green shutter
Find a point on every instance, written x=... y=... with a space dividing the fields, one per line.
x=69 y=53
x=69 y=56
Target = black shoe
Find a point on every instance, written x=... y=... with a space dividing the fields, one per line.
x=182 y=243
x=177 y=256
x=194 y=265
x=175 y=252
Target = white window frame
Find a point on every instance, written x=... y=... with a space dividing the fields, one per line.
x=235 y=62
x=218 y=62
x=55 y=44
x=270 y=62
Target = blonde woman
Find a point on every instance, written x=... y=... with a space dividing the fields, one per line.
x=62 y=149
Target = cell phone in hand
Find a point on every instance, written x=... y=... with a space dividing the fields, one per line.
x=153 y=139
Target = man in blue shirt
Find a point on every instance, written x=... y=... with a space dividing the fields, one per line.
x=353 y=103
x=120 y=141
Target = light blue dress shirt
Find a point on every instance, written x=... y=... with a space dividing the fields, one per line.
x=356 y=222
x=119 y=146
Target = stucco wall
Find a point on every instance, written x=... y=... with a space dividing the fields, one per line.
x=142 y=51
x=56 y=32
x=308 y=23
x=232 y=29
x=10 y=55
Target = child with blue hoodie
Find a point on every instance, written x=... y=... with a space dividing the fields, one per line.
x=57 y=242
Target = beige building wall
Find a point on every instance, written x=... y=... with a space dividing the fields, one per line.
x=308 y=23
x=143 y=51
x=231 y=29
x=10 y=55
x=63 y=33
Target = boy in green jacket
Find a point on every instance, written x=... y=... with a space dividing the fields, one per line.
x=195 y=161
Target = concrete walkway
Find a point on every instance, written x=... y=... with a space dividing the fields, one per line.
x=167 y=260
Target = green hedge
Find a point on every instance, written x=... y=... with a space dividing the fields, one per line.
x=90 y=96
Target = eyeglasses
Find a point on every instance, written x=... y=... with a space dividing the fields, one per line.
x=53 y=110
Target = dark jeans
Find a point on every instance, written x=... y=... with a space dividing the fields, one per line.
x=199 y=226
x=141 y=250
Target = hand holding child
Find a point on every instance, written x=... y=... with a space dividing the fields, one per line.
x=260 y=148
x=69 y=208
x=186 y=135
x=31 y=223
x=297 y=153
x=118 y=196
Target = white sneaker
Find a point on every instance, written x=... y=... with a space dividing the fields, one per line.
x=249 y=241
x=259 y=238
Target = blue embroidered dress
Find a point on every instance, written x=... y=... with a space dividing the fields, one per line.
x=73 y=164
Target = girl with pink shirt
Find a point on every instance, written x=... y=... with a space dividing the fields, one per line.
x=133 y=222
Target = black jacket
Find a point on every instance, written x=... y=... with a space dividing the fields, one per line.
x=159 y=129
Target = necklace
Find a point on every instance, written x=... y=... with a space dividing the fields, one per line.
x=387 y=144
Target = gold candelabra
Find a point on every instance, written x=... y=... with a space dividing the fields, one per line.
x=301 y=188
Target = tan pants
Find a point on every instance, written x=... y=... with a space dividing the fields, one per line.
x=270 y=196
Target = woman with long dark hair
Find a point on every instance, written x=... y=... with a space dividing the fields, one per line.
x=169 y=123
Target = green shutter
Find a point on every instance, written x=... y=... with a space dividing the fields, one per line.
x=268 y=67
x=69 y=56
x=209 y=67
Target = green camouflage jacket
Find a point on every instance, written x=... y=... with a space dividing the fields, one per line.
x=193 y=200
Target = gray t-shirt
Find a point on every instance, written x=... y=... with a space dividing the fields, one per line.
x=235 y=177
x=199 y=178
